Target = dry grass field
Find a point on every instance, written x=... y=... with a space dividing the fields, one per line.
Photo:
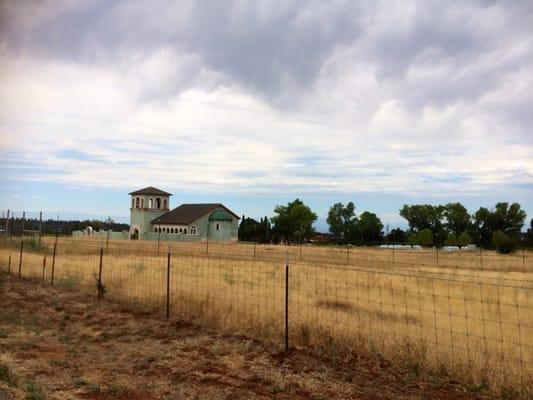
x=66 y=345
x=466 y=316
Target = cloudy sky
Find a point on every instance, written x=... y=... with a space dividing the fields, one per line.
x=254 y=103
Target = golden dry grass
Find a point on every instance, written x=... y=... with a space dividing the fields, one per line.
x=473 y=324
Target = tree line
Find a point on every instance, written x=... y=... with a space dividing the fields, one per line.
x=429 y=225
x=61 y=227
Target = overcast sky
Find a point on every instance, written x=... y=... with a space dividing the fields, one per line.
x=254 y=103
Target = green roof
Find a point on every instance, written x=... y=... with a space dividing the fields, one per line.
x=220 y=215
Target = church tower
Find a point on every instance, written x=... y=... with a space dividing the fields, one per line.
x=146 y=205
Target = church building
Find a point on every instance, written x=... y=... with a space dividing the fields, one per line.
x=152 y=219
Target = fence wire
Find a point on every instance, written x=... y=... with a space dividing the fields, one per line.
x=473 y=325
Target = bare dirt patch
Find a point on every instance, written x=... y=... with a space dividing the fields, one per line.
x=65 y=345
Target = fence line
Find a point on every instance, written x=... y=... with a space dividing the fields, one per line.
x=477 y=329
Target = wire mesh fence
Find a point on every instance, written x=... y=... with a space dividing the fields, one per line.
x=473 y=325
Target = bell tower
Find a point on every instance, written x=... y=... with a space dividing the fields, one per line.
x=146 y=205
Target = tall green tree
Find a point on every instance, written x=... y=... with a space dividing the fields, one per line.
x=370 y=228
x=426 y=216
x=342 y=221
x=506 y=218
x=457 y=218
x=293 y=222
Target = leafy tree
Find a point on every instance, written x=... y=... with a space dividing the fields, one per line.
x=457 y=218
x=412 y=239
x=426 y=216
x=370 y=227
x=263 y=233
x=464 y=239
x=502 y=242
x=397 y=235
x=342 y=221
x=248 y=229
x=506 y=218
x=451 y=240
x=293 y=221
x=424 y=237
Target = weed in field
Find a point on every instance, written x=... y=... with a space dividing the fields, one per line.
x=6 y=375
x=59 y=363
x=229 y=278
x=29 y=346
x=94 y=388
x=116 y=390
x=34 y=391
x=32 y=244
x=69 y=283
x=79 y=382
x=138 y=267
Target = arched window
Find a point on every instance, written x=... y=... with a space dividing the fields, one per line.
x=181 y=230
x=218 y=227
x=171 y=230
x=184 y=231
x=158 y=203
x=193 y=230
x=168 y=229
x=142 y=202
x=137 y=202
x=155 y=229
x=165 y=205
x=151 y=203
x=133 y=202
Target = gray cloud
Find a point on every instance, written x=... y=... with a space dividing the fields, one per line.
x=277 y=50
x=369 y=94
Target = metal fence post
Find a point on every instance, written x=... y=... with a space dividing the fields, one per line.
x=9 y=265
x=524 y=259
x=168 y=284
x=53 y=265
x=100 y=291
x=20 y=259
x=44 y=265
x=287 y=304
x=480 y=257
x=40 y=226
x=437 y=253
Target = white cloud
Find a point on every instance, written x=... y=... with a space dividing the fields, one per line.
x=395 y=103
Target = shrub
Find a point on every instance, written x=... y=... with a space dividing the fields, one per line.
x=502 y=242
x=464 y=239
x=32 y=244
x=451 y=240
x=425 y=237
